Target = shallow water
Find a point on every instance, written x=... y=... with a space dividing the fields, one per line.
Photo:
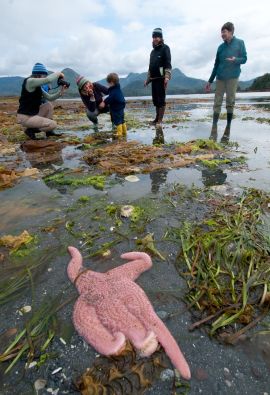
x=31 y=204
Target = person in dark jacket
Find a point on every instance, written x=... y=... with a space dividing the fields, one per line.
x=35 y=112
x=159 y=73
x=117 y=103
x=92 y=94
x=230 y=55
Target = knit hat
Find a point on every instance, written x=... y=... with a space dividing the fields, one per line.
x=157 y=32
x=39 y=68
x=81 y=81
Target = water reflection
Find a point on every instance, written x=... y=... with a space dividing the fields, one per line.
x=43 y=155
x=212 y=177
x=159 y=137
x=158 y=177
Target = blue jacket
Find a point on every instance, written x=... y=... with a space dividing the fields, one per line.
x=225 y=70
x=116 y=99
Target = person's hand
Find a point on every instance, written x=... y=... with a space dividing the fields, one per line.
x=63 y=88
x=208 y=87
x=145 y=83
x=166 y=80
x=101 y=105
x=61 y=75
x=231 y=59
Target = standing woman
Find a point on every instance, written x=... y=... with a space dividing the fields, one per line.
x=230 y=55
x=159 y=73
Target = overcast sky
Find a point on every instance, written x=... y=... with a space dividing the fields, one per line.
x=95 y=37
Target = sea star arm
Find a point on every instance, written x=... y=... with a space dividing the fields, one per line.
x=170 y=346
x=140 y=262
x=75 y=264
x=92 y=330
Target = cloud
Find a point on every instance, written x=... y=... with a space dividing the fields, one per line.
x=95 y=37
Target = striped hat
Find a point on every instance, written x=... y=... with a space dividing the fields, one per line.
x=81 y=81
x=39 y=68
x=157 y=32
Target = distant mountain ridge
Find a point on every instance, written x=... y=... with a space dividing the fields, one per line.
x=132 y=85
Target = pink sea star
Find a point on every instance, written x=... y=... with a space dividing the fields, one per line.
x=112 y=308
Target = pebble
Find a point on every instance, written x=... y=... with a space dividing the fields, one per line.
x=167 y=375
x=227 y=372
x=162 y=314
x=57 y=370
x=31 y=365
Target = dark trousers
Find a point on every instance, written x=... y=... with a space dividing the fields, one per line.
x=158 y=92
x=117 y=116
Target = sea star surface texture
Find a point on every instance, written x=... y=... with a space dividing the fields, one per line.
x=112 y=308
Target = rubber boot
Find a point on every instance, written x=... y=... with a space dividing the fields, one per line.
x=161 y=112
x=119 y=131
x=31 y=133
x=156 y=118
x=53 y=134
x=124 y=129
x=226 y=135
x=213 y=134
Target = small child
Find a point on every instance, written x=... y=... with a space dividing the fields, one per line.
x=117 y=104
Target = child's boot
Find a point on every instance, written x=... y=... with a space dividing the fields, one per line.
x=124 y=129
x=119 y=131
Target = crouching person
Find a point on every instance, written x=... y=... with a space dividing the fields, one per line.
x=35 y=110
x=116 y=102
x=92 y=95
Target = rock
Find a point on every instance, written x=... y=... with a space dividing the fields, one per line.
x=37 y=145
x=201 y=374
x=227 y=373
x=40 y=384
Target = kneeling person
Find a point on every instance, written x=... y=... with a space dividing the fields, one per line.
x=35 y=110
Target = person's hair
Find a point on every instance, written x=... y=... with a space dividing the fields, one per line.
x=113 y=77
x=228 y=26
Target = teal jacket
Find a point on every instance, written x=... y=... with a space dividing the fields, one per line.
x=225 y=70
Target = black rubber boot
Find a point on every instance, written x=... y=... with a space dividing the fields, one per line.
x=31 y=133
x=226 y=135
x=53 y=134
x=156 y=118
x=161 y=112
x=213 y=134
